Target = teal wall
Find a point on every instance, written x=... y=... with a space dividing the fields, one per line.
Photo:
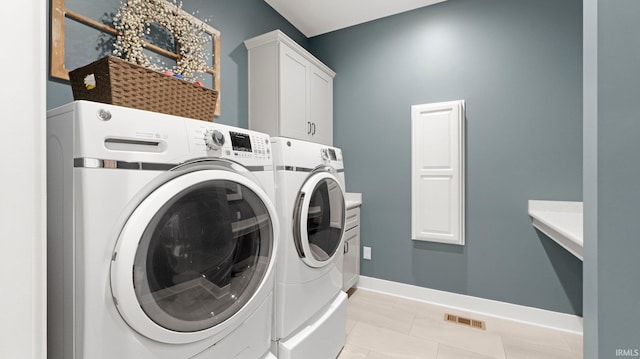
x=612 y=174
x=236 y=20
x=590 y=178
x=518 y=65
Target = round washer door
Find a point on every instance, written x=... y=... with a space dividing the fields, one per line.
x=194 y=254
x=319 y=219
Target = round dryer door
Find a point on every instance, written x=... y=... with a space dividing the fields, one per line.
x=319 y=219
x=192 y=255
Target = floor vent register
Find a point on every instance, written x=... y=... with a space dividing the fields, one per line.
x=478 y=324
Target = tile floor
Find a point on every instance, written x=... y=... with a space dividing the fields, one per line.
x=385 y=327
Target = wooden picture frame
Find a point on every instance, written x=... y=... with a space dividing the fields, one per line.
x=59 y=13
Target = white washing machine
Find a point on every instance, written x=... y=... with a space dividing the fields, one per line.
x=163 y=236
x=310 y=311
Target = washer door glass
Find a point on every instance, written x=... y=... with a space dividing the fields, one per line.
x=202 y=256
x=319 y=219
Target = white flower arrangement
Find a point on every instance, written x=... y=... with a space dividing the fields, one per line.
x=133 y=21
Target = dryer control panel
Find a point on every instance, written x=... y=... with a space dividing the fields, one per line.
x=305 y=154
x=331 y=156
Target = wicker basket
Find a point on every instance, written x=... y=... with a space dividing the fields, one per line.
x=121 y=83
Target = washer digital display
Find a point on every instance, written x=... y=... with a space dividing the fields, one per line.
x=240 y=142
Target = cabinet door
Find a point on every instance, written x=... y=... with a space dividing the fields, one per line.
x=294 y=95
x=321 y=106
x=351 y=261
x=437 y=192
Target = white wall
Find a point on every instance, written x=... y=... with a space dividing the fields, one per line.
x=22 y=181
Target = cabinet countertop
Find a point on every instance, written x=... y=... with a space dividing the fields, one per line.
x=353 y=200
x=562 y=221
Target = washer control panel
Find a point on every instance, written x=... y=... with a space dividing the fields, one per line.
x=216 y=140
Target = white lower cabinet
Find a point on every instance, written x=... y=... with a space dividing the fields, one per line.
x=351 y=264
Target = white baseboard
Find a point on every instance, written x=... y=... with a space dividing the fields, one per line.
x=519 y=313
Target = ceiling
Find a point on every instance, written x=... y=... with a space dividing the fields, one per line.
x=316 y=17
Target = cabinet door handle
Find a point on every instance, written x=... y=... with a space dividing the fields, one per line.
x=308 y=127
x=346 y=247
x=314 y=129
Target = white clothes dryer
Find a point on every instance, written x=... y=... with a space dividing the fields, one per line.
x=310 y=311
x=163 y=236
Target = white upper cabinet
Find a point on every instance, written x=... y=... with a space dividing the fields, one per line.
x=290 y=91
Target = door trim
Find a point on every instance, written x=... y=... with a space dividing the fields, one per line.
x=301 y=212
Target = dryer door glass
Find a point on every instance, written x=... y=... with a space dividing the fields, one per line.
x=203 y=256
x=320 y=218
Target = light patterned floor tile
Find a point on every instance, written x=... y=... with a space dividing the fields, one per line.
x=376 y=355
x=353 y=352
x=391 y=343
x=424 y=310
x=519 y=349
x=377 y=313
x=448 y=352
x=471 y=339
x=378 y=322
x=574 y=341
x=350 y=325
x=530 y=333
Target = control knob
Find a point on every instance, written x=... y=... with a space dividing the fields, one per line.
x=213 y=139
x=324 y=154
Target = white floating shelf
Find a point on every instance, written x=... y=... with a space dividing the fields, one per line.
x=561 y=221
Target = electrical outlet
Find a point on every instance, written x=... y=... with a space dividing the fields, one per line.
x=366 y=253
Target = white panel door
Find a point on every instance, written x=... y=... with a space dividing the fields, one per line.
x=437 y=183
x=321 y=106
x=293 y=94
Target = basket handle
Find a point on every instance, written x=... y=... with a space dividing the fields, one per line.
x=90 y=83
